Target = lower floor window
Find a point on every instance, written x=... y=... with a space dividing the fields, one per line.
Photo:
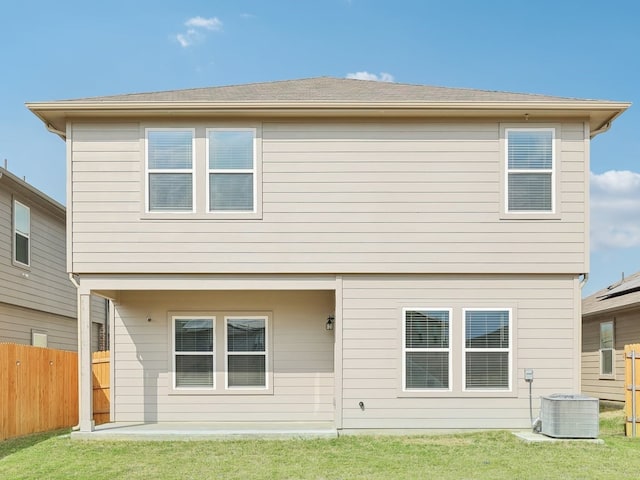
x=194 y=352
x=487 y=349
x=246 y=352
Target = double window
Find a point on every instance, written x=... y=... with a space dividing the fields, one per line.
x=182 y=162
x=243 y=352
x=485 y=348
x=21 y=234
x=607 y=366
x=530 y=170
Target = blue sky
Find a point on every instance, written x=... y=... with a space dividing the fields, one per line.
x=586 y=49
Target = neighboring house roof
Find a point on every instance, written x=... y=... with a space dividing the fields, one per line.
x=330 y=96
x=620 y=295
x=29 y=191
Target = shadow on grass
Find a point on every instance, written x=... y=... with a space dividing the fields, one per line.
x=13 y=445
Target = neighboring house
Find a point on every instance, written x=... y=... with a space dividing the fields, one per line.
x=441 y=233
x=610 y=320
x=38 y=302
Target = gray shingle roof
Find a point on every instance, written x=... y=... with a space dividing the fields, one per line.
x=622 y=294
x=327 y=89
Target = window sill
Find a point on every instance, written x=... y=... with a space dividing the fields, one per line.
x=607 y=377
x=191 y=216
x=221 y=392
x=530 y=216
x=454 y=394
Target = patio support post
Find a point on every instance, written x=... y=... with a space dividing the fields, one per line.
x=85 y=404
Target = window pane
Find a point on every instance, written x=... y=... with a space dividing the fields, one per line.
x=170 y=192
x=606 y=362
x=245 y=335
x=606 y=335
x=194 y=370
x=487 y=329
x=530 y=192
x=22 y=249
x=169 y=149
x=530 y=150
x=246 y=371
x=194 y=335
x=425 y=329
x=231 y=191
x=487 y=370
x=427 y=370
x=230 y=149
x=22 y=218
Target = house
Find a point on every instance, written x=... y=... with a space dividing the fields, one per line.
x=372 y=256
x=38 y=303
x=609 y=322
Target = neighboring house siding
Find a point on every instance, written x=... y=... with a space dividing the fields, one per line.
x=392 y=197
x=16 y=324
x=545 y=332
x=302 y=350
x=44 y=285
x=627 y=331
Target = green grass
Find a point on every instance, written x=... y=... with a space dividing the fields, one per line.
x=491 y=455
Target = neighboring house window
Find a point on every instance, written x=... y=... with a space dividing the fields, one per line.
x=246 y=352
x=231 y=162
x=21 y=233
x=194 y=361
x=530 y=170
x=487 y=349
x=606 y=349
x=39 y=338
x=170 y=170
x=426 y=343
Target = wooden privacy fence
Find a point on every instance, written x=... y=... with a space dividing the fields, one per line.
x=38 y=389
x=632 y=389
x=101 y=387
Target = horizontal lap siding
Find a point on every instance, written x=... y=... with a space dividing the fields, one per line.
x=303 y=379
x=45 y=284
x=16 y=324
x=545 y=323
x=337 y=197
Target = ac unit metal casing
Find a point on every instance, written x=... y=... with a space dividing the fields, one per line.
x=569 y=416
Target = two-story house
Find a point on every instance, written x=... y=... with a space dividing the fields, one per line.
x=369 y=256
x=37 y=299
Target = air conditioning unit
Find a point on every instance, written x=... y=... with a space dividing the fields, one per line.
x=570 y=416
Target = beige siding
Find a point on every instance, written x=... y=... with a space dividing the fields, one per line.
x=44 y=285
x=337 y=197
x=626 y=331
x=302 y=351
x=544 y=327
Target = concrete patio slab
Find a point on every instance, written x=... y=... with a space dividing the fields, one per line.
x=532 y=437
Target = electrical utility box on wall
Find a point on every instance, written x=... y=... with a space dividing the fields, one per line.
x=570 y=416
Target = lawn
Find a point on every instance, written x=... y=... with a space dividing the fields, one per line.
x=491 y=455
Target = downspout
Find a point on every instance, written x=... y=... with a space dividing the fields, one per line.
x=585 y=279
x=72 y=277
x=60 y=133
x=597 y=131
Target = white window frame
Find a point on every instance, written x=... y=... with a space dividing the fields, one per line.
x=252 y=170
x=191 y=171
x=39 y=338
x=508 y=171
x=466 y=350
x=612 y=374
x=405 y=349
x=175 y=353
x=26 y=235
x=265 y=353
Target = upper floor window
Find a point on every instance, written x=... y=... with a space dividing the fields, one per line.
x=606 y=349
x=21 y=233
x=170 y=170
x=427 y=351
x=232 y=168
x=530 y=170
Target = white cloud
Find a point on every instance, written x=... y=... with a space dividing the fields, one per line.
x=196 y=30
x=615 y=210
x=212 y=23
x=383 y=77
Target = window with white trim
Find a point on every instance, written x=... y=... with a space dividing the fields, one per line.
x=246 y=351
x=530 y=170
x=194 y=352
x=426 y=344
x=231 y=161
x=487 y=349
x=170 y=169
x=39 y=338
x=21 y=234
x=606 y=349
